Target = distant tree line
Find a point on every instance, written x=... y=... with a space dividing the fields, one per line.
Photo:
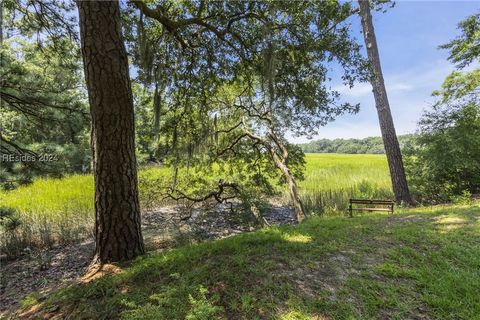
x=372 y=145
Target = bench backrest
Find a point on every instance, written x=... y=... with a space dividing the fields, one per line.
x=368 y=201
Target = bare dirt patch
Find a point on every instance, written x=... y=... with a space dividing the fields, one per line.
x=42 y=272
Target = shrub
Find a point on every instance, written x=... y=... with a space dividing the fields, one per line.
x=445 y=162
x=13 y=239
x=203 y=308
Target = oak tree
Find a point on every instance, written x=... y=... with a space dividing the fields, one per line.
x=276 y=69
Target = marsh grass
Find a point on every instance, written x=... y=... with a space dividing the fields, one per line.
x=55 y=211
x=332 y=179
x=50 y=211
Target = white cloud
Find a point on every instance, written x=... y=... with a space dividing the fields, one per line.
x=359 y=90
x=365 y=89
x=424 y=76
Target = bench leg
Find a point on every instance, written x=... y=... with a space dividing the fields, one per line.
x=350 y=211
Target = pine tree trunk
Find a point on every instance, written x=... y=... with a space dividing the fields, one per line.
x=118 y=235
x=392 y=148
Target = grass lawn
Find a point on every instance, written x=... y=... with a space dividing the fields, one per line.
x=418 y=264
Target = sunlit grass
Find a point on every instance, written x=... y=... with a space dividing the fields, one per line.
x=400 y=266
x=50 y=211
x=332 y=179
x=56 y=210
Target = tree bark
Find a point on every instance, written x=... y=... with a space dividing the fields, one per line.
x=281 y=163
x=118 y=235
x=292 y=189
x=157 y=102
x=392 y=148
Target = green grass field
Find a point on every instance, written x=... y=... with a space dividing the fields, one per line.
x=61 y=210
x=331 y=179
x=417 y=264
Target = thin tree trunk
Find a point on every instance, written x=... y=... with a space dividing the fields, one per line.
x=392 y=148
x=281 y=163
x=157 y=106
x=292 y=189
x=156 y=113
x=118 y=235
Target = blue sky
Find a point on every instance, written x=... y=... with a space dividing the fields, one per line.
x=408 y=37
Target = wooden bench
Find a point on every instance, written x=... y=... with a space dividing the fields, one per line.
x=388 y=203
